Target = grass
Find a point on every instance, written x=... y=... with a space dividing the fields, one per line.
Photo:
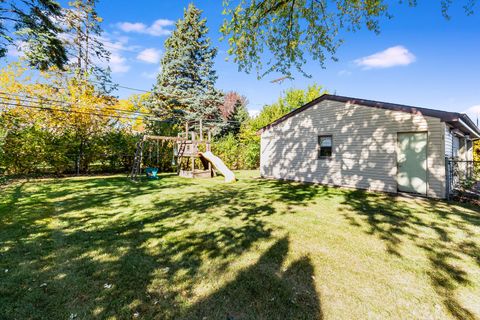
x=106 y=248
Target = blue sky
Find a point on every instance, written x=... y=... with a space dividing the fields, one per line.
x=419 y=58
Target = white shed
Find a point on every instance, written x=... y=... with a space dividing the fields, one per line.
x=366 y=144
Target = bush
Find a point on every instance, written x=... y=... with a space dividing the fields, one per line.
x=227 y=149
x=252 y=155
x=32 y=149
x=23 y=150
x=236 y=154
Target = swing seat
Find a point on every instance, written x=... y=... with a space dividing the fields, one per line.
x=151 y=173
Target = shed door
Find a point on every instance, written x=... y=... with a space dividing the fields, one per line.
x=412 y=162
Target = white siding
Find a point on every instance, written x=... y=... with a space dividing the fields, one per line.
x=364 y=147
x=448 y=142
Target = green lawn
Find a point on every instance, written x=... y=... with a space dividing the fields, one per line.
x=107 y=248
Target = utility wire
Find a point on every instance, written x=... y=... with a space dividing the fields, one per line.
x=63 y=110
x=136 y=113
x=67 y=104
x=35 y=105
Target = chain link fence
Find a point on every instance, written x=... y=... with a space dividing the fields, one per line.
x=461 y=175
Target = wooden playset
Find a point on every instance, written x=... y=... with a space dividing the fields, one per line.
x=188 y=146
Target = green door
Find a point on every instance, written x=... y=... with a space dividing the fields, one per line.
x=412 y=162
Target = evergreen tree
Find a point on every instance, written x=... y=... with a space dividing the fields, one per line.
x=33 y=26
x=235 y=112
x=187 y=80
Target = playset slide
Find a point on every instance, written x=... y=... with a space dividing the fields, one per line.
x=219 y=165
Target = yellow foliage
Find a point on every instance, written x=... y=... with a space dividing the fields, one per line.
x=59 y=102
x=476 y=150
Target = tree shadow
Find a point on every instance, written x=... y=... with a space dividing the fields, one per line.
x=442 y=233
x=265 y=291
x=300 y=193
x=97 y=263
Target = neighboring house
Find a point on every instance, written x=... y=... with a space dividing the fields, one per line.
x=366 y=144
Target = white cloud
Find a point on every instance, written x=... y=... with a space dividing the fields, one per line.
x=117 y=45
x=150 y=55
x=16 y=49
x=157 y=28
x=153 y=74
x=13 y=51
x=253 y=112
x=132 y=27
x=149 y=75
x=391 y=57
x=473 y=112
x=344 y=73
x=118 y=63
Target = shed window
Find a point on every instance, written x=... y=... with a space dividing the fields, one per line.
x=455 y=146
x=324 y=147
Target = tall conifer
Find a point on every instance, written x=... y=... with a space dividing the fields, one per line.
x=187 y=78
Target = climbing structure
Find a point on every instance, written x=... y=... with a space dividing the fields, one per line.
x=190 y=148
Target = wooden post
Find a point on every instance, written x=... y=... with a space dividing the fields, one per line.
x=209 y=138
x=186 y=130
x=201 y=130
x=158 y=153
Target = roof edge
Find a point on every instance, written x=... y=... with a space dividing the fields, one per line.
x=445 y=116
x=293 y=112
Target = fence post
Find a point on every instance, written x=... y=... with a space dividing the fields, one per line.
x=447 y=178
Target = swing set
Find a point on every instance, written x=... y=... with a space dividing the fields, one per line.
x=188 y=146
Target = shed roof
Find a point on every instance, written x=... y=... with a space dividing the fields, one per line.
x=455 y=119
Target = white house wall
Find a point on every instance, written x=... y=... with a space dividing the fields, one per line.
x=364 y=147
x=448 y=142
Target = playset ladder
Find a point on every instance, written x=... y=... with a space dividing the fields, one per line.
x=137 y=161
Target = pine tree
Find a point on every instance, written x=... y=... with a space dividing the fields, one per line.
x=33 y=27
x=234 y=111
x=187 y=80
x=239 y=116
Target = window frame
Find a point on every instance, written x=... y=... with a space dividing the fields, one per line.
x=319 y=146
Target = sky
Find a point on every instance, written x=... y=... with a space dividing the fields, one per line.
x=419 y=58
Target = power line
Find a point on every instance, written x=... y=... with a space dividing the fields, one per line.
x=35 y=105
x=66 y=111
x=67 y=104
x=135 y=114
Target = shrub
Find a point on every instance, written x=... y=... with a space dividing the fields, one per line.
x=237 y=154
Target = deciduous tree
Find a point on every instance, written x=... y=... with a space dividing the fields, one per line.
x=85 y=45
x=234 y=112
x=289 y=30
x=53 y=119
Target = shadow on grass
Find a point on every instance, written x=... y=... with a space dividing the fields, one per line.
x=299 y=193
x=396 y=222
x=116 y=247
x=108 y=254
x=277 y=293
